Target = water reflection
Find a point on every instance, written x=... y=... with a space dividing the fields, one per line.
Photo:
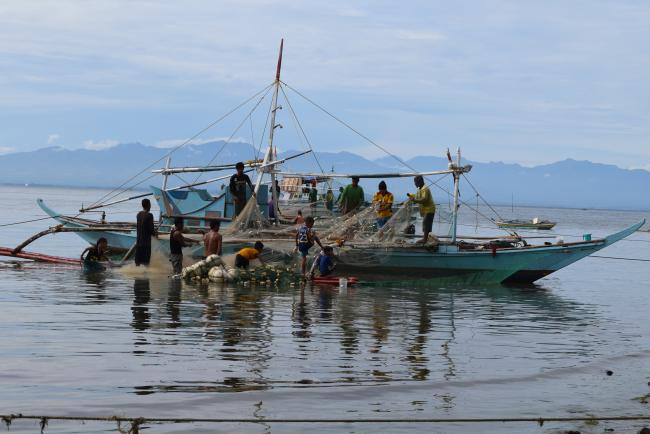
x=140 y=308
x=261 y=337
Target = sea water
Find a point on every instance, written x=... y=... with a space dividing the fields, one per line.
x=141 y=345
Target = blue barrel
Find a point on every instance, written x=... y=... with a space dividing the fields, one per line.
x=586 y=237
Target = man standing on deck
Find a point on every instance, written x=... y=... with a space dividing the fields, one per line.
x=352 y=197
x=383 y=199
x=427 y=207
x=145 y=229
x=237 y=188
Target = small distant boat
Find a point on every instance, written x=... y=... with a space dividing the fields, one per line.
x=527 y=224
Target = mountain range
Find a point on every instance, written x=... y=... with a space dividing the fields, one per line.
x=566 y=183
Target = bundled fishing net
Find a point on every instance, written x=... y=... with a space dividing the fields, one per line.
x=349 y=226
x=362 y=227
x=249 y=221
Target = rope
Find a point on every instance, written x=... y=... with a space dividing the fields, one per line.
x=241 y=124
x=295 y=118
x=435 y=183
x=616 y=257
x=181 y=145
x=8 y=419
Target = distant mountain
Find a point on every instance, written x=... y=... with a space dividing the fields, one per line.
x=567 y=183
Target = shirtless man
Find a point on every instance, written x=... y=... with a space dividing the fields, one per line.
x=212 y=240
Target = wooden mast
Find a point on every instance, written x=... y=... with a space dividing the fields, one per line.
x=269 y=152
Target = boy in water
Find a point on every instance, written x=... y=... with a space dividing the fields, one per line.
x=95 y=254
x=247 y=254
x=324 y=262
x=305 y=238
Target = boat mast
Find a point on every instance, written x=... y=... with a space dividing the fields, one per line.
x=457 y=173
x=269 y=152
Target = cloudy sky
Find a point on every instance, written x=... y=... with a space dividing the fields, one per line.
x=518 y=81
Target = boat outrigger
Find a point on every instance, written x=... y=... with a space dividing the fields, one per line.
x=360 y=245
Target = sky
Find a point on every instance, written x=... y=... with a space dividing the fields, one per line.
x=527 y=82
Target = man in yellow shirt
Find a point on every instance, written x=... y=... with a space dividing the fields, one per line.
x=247 y=254
x=427 y=207
x=384 y=201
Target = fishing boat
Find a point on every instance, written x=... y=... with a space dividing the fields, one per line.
x=361 y=247
x=535 y=223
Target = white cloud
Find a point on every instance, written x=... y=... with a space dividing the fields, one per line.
x=52 y=138
x=6 y=150
x=98 y=146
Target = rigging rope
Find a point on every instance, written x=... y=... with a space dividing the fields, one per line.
x=435 y=183
x=250 y=113
x=212 y=124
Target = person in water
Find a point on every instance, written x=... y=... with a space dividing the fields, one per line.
x=383 y=199
x=247 y=254
x=93 y=255
x=352 y=197
x=213 y=239
x=237 y=187
x=305 y=239
x=427 y=207
x=176 y=243
x=324 y=262
x=145 y=229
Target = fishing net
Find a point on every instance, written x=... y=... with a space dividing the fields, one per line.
x=363 y=227
x=249 y=221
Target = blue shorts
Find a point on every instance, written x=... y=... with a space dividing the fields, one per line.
x=303 y=248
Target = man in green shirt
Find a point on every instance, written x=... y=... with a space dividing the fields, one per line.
x=427 y=207
x=352 y=197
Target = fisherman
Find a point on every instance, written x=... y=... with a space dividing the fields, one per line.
x=383 y=199
x=329 y=200
x=305 y=238
x=145 y=229
x=352 y=197
x=324 y=262
x=427 y=207
x=176 y=243
x=271 y=204
x=91 y=257
x=237 y=188
x=313 y=197
x=212 y=241
x=247 y=254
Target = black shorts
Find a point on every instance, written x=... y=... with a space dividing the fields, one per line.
x=241 y=262
x=427 y=222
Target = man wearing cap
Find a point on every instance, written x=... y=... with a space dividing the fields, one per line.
x=352 y=197
x=237 y=188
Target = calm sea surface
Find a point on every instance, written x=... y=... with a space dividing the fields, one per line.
x=115 y=344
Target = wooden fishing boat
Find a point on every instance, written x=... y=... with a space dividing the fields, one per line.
x=452 y=259
x=526 y=224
